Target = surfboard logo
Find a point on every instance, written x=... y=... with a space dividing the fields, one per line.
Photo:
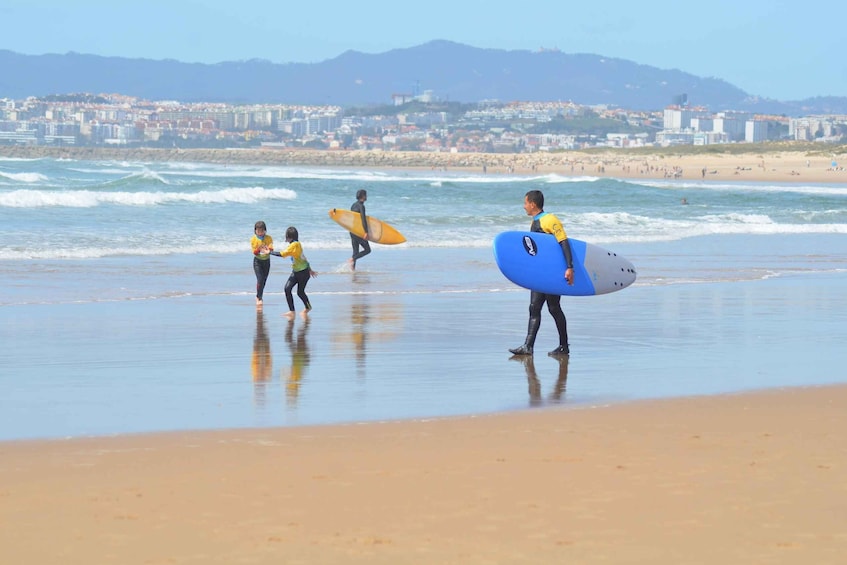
x=529 y=246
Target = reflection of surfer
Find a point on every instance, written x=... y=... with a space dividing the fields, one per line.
x=299 y=359
x=360 y=316
x=261 y=361
x=534 y=384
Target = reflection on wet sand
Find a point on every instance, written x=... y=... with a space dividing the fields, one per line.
x=367 y=323
x=261 y=362
x=534 y=384
x=299 y=348
x=359 y=317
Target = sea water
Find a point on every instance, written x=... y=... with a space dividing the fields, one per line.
x=127 y=295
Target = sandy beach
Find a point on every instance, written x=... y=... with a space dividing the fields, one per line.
x=752 y=478
x=758 y=164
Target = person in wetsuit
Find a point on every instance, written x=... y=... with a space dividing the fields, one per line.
x=300 y=273
x=546 y=223
x=262 y=244
x=359 y=206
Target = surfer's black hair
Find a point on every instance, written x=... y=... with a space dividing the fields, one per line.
x=260 y=225
x=291 y=234
x=361 y=193
x=536 y=197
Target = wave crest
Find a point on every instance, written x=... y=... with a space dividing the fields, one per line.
x=91 y=198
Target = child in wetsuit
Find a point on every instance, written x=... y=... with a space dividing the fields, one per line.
x=300 y=273
x=262 y=245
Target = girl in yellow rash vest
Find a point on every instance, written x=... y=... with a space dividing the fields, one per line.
x=262 y=245
x=300 y=273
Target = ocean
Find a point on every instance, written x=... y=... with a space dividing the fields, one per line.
x=127 y=296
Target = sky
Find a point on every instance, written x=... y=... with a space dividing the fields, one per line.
x=772 y=48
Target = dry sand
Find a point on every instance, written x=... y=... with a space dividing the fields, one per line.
x=753 y=478
x=759 y=164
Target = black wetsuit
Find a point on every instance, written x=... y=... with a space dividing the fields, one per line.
x=359 y=206
x=298 y=279
x=262 y=268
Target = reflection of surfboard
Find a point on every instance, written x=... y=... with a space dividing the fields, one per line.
x=378 y=232
x=535 y=261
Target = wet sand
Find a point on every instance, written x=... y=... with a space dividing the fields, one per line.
x=750 y=478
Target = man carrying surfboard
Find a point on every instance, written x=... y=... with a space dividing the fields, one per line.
x=359 y=207
x=546 y=223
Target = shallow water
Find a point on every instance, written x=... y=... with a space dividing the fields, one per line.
x=127 y=301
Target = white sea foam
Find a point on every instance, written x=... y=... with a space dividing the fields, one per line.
x=90 y=198
x=558 y=179
x=24 y=177
x=145 y=175
x=752 y=187
x=364 y=175
x=622 y=227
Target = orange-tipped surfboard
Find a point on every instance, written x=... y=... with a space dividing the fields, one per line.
x=378 y=231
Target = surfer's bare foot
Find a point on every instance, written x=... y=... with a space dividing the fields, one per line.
x=259 y=302
x=352 y=264
x=289 y=315
x=304 y=314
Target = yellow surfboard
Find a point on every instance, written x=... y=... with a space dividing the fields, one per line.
x=378 y=231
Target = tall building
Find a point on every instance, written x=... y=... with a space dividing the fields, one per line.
x=755 y=131
x=679 y=118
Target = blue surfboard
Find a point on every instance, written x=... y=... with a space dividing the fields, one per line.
x=535 y=261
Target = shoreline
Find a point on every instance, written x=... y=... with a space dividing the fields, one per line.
x=728 y=478
x=771 y=165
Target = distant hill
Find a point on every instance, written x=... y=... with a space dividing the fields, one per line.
x=452 y=71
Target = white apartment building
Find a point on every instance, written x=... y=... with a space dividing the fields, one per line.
x=667 y=137
x=702 y=124
x=677 y=119
x=810 y=128
x=733 y=124
x=710 y=138
x=755 y=131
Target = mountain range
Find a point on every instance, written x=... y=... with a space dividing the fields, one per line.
x=451 y=71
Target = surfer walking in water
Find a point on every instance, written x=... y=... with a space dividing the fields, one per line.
x=546 y=223
x=359 y=242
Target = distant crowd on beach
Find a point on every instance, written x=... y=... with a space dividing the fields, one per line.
x=758 y=164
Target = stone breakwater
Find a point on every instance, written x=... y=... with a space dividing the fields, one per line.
x=295 y=157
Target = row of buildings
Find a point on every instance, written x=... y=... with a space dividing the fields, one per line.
x=697 y=126
x=486 y=127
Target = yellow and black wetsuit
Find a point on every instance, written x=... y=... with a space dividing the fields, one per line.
x=548 y=223
x=261 y=262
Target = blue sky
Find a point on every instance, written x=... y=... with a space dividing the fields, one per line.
x=773 y=48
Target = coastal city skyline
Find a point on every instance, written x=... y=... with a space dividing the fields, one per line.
x=764 y=49
x=417 y=123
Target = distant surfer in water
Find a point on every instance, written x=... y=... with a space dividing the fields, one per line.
x=546 y=223
x=359 y=242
